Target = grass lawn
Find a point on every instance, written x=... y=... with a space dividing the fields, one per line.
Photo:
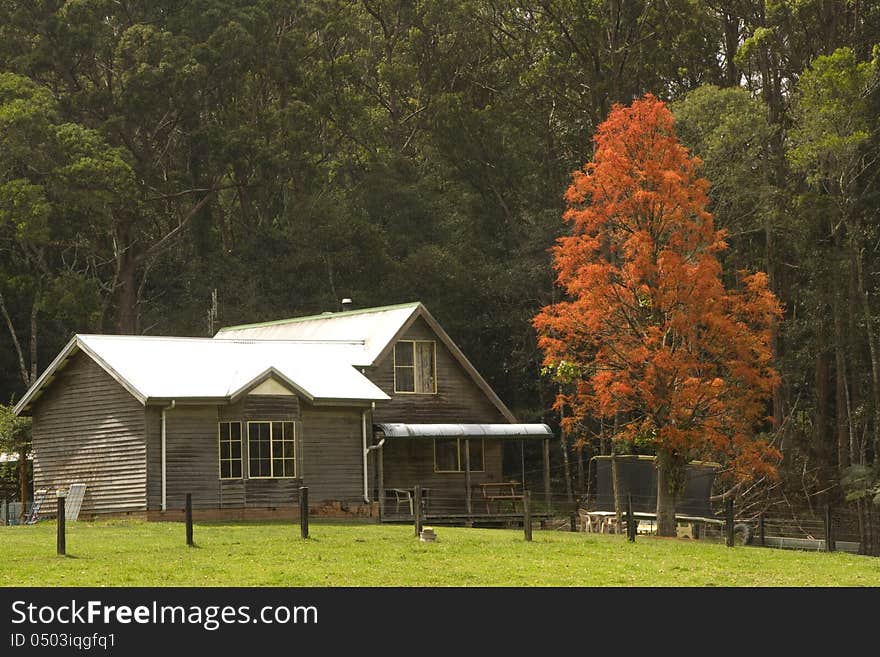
x=130 y=553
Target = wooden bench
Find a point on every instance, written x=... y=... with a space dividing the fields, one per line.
x=500 y=493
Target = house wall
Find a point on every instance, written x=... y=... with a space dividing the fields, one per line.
x=458 y=397
x=328 y=455
x=193 y=455
x=88 y=429
x=332 y=449
x=458 y=400
x=408 y=462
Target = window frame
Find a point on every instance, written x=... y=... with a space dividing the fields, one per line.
x=413 y=367
x=272 y=474
x=220 y=459
x=460 y=458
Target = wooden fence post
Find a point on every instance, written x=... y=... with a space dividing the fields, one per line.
x=304 y=511
x=829 y=530
x=761 y=536
x=417 y=509
x=729 y=515
x=188 y=512
x=62 y=517
x=630 y=520
x=527 y=515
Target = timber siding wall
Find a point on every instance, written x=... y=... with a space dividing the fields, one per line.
x=88 y=429
x=193 y=455
x=458 y=400
x=332 y=450
x=408 y=462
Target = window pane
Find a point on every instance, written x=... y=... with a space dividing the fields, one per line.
x=403 y=379
x=446 y=454
x=259 y=462
x=403 y=353
x=230 y=449
x=287 y=468
x=424 y=370
x=476 y=452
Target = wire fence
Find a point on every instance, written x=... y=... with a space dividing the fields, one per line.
x=850 y=527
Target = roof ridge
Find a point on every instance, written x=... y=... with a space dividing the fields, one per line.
x=326 y=315
x=186 y=338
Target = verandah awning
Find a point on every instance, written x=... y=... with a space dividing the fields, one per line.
x=402 y=430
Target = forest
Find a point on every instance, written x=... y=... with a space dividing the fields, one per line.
x=170 y=168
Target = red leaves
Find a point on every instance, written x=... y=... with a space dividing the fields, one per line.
x=656 y=337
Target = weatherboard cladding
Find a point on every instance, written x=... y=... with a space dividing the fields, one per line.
x=332 y=447
x=409 y=461
x=458 y=399
x=88 y=429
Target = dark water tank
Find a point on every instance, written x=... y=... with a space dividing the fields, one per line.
x=638 y=477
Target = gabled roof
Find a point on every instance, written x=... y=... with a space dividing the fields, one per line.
x=377 y=328
x=164 y=368
x=316 y=356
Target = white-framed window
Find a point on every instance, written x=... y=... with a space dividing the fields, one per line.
x=271 y=450
x=415 y=366
x=229 y=434
x=449 y=454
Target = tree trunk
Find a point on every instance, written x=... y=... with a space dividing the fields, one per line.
x=731 y=44
x=615 y=486
x=580 y=468
x=670 y=479
x=872 y=346
x=615 y=480
x=823 y=439
x=841 y=397
x=563 y=444
x=23 y=480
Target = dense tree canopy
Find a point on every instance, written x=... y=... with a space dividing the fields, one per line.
x=288 y=154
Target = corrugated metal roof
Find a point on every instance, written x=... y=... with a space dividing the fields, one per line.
x=402 y=430
x=375 y=327
x=181 y=368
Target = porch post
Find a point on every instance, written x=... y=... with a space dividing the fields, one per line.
x=467 y=474
x=547 y=472
x=380 y=462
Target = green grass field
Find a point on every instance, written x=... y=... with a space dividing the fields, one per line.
x=127 y=553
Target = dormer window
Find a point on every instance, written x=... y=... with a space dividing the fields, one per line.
x=415 y=366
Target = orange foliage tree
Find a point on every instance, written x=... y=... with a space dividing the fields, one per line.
x=648 y=334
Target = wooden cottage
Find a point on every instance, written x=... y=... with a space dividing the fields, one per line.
x=360 y=406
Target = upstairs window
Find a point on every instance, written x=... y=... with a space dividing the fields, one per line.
x=271 y=450
x=415 y=366
x=230 y=450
